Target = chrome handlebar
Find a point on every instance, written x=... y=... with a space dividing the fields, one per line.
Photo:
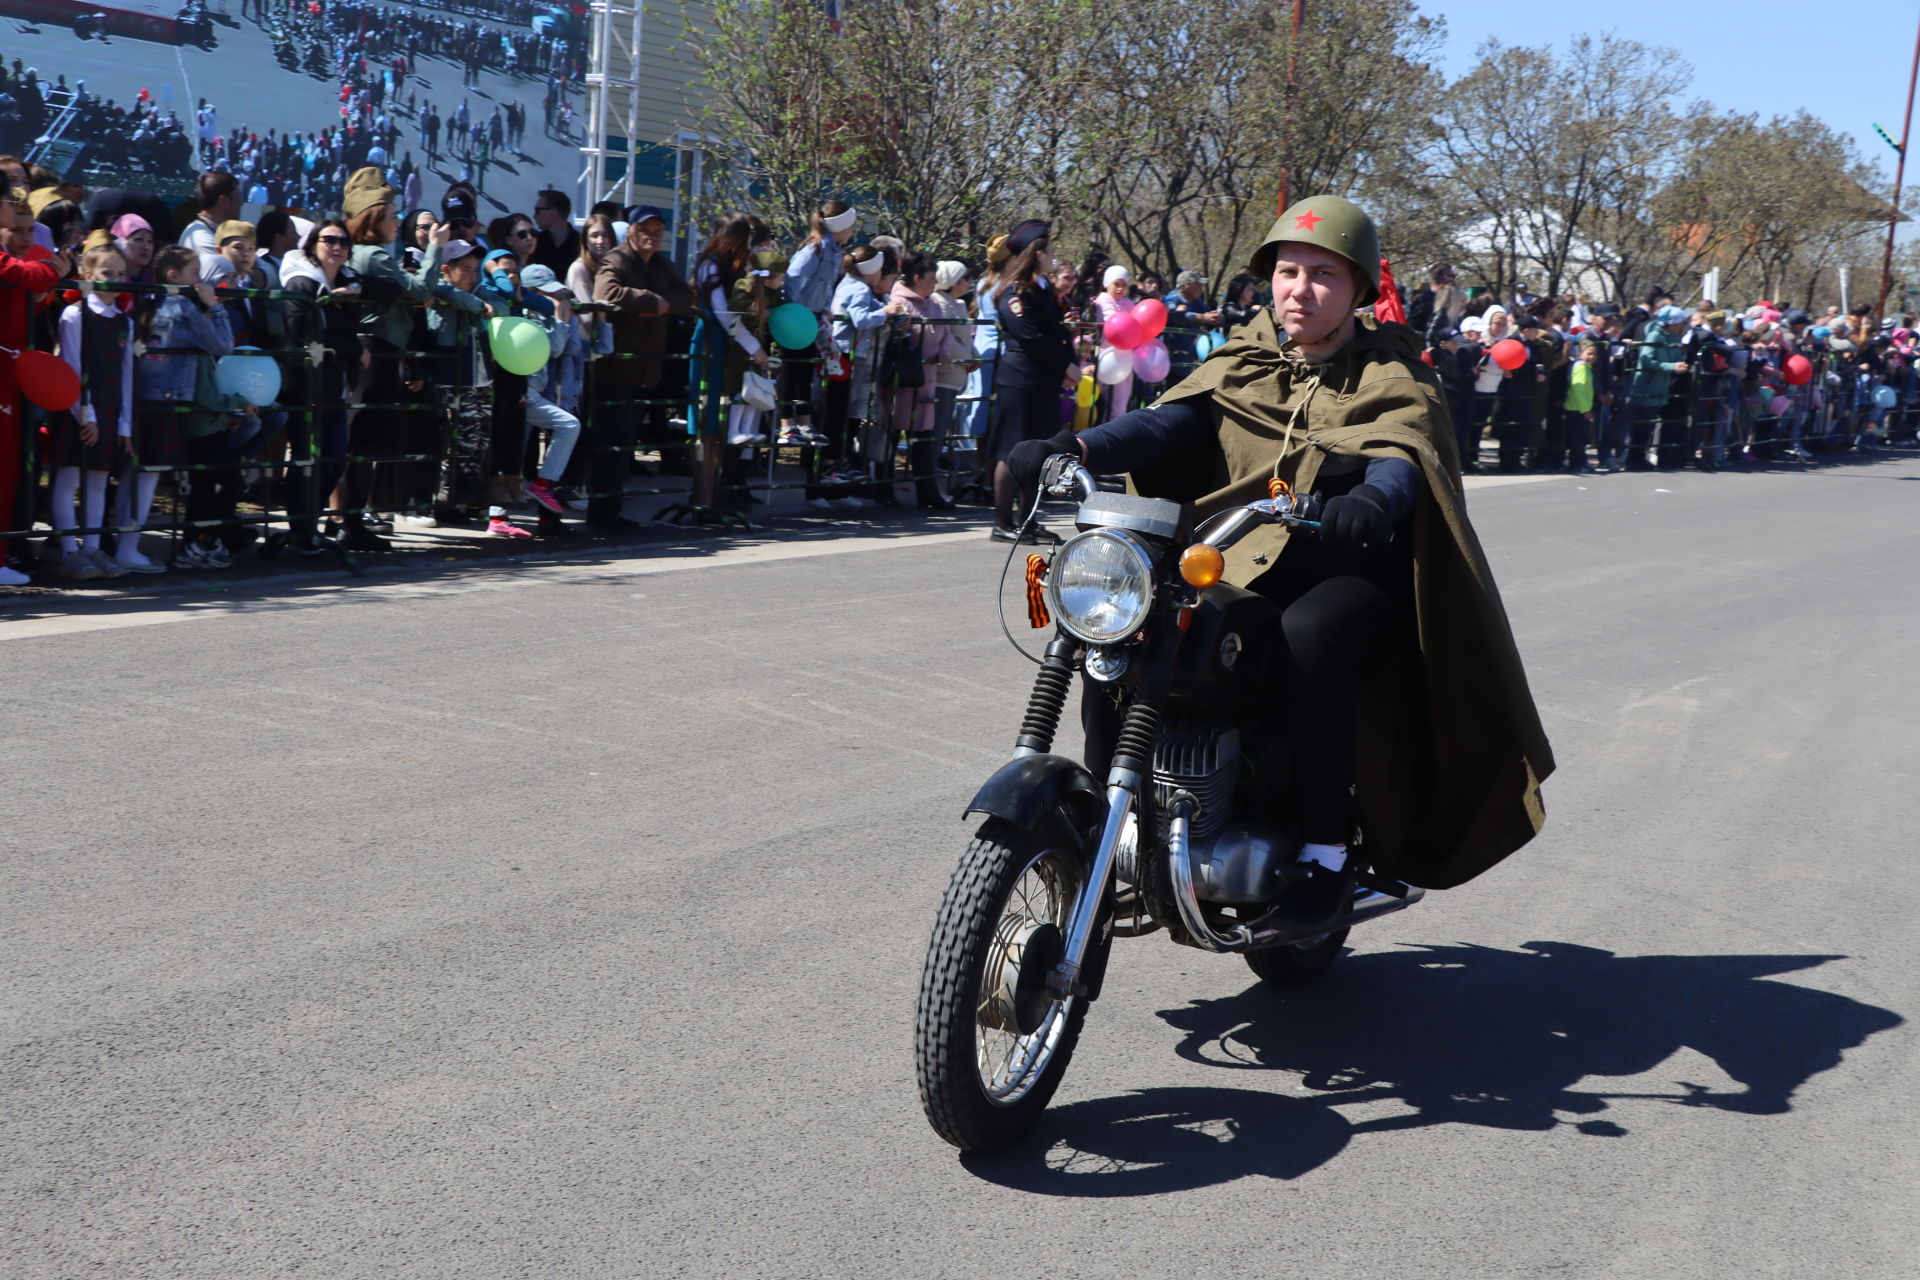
x=1065 y=476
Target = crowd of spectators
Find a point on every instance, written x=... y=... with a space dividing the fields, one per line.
x=395 y=402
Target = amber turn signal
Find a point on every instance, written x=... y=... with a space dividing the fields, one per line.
x=1202 y=565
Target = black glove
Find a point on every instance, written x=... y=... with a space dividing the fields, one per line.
x=1356 y=519
x=1030 y=456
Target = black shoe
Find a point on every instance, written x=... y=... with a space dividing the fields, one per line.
x=554 y=527
x=1039 y=535
x=1318 y=898
x=613 y=524
x=357 y=537
x=938 y=504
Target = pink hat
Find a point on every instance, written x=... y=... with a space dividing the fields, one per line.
x=126 y=224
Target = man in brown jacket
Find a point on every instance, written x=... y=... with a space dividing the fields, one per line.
x=647 y=289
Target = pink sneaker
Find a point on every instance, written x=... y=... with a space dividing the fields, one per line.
x=541 y=491
x=501 y=527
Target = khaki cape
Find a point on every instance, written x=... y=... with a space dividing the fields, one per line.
x=1452 y=757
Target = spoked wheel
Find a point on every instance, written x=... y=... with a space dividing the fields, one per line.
x=1299 y=962
x=990 y=1042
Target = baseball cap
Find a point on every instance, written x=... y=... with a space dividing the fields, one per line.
x=1473 y=324
x=1797 y=316
x=641 y=212
x=233 y=229
x=1528 y=321
x=1445 y=333
x=454 y=250
x=1669 y=315
x=1604 y=309
x=538 y=276
x=458 y=208
x=1186 y=278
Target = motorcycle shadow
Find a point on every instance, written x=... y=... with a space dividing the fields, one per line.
x=1445 y=1035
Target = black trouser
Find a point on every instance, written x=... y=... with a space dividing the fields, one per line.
x=374 y=428
x=1343 y=621
x=1640 y=435
x=1466 y=425
x=214 y=497
x=835 y=425
x=608 y=440
x=1513 y=428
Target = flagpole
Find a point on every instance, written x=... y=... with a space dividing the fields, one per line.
x=1286 y=120
x=1899 y=174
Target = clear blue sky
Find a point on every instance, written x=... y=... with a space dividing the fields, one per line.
x=1846 y=63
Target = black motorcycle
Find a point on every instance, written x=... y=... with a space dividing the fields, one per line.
x=1176 y=839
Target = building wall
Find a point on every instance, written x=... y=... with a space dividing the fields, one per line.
x=669 y=99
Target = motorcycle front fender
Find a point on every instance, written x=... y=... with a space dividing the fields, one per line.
x=1044 y=790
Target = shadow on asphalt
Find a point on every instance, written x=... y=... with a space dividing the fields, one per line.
x=1443 y=1035
x=257 y=583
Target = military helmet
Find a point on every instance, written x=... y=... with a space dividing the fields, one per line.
x=1334 y=224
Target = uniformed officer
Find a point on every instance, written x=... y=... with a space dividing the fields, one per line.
x=1036 y=362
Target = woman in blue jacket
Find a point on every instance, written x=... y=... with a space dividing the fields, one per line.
x=813 y=273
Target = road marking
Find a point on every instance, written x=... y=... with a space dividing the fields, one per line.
x=507 y=577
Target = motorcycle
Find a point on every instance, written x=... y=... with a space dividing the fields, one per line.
x=1174 y=840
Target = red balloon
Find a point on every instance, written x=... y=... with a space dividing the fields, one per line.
x=47 y=380
x=1152 y=315
x=1509 y=353
x=1123 y=332
x=1798 y=370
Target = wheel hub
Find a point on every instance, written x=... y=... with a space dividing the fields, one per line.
x=1021 y=999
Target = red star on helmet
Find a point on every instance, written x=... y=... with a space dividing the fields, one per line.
x=1307 y=221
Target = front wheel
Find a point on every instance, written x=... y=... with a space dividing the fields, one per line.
x=991 y=1044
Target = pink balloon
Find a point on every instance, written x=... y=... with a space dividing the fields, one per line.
x=1151 y=361
x=1780 y=405
x=1152 y=315
x=1123 y=332
x=1509 y=353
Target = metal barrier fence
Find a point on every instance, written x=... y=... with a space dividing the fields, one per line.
x=392 y=437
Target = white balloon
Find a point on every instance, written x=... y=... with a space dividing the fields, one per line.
x=1152 y=361
x=1115 y=365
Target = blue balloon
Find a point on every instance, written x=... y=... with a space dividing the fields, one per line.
x=1886 y=397
x=254 y=378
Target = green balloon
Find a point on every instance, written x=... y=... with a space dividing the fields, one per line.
x=519 y=345
x=793 y=325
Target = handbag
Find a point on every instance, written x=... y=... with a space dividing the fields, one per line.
x=900 y=363
x=757 y=391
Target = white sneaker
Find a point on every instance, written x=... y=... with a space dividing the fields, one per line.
x=818 y=504
x=12 y=577
x=420 y=522
x=75 y=567
x=106 y=564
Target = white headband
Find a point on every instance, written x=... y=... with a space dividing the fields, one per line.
x=871 y=267
x=841 y=221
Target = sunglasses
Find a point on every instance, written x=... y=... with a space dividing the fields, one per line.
x=335 y=240
x=522 y=234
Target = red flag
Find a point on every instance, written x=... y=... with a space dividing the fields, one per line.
x=1388 y=307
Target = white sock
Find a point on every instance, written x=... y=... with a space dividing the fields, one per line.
x=131 y=504
x=94 y=507
x=66 y=484
x=1331 y=856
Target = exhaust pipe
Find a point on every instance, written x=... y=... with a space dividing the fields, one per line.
x=1371 y=904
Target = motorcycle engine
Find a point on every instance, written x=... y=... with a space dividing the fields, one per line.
x=1204 y=760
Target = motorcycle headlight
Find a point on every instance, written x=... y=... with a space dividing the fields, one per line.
x=1101 y=585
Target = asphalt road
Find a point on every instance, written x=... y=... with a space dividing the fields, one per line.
x=252 y=92
x=566 y=922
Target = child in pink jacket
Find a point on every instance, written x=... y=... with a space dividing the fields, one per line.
x=1113 y=301
x=912 y=407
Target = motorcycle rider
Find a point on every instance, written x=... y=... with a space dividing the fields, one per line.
x=1391 y=602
